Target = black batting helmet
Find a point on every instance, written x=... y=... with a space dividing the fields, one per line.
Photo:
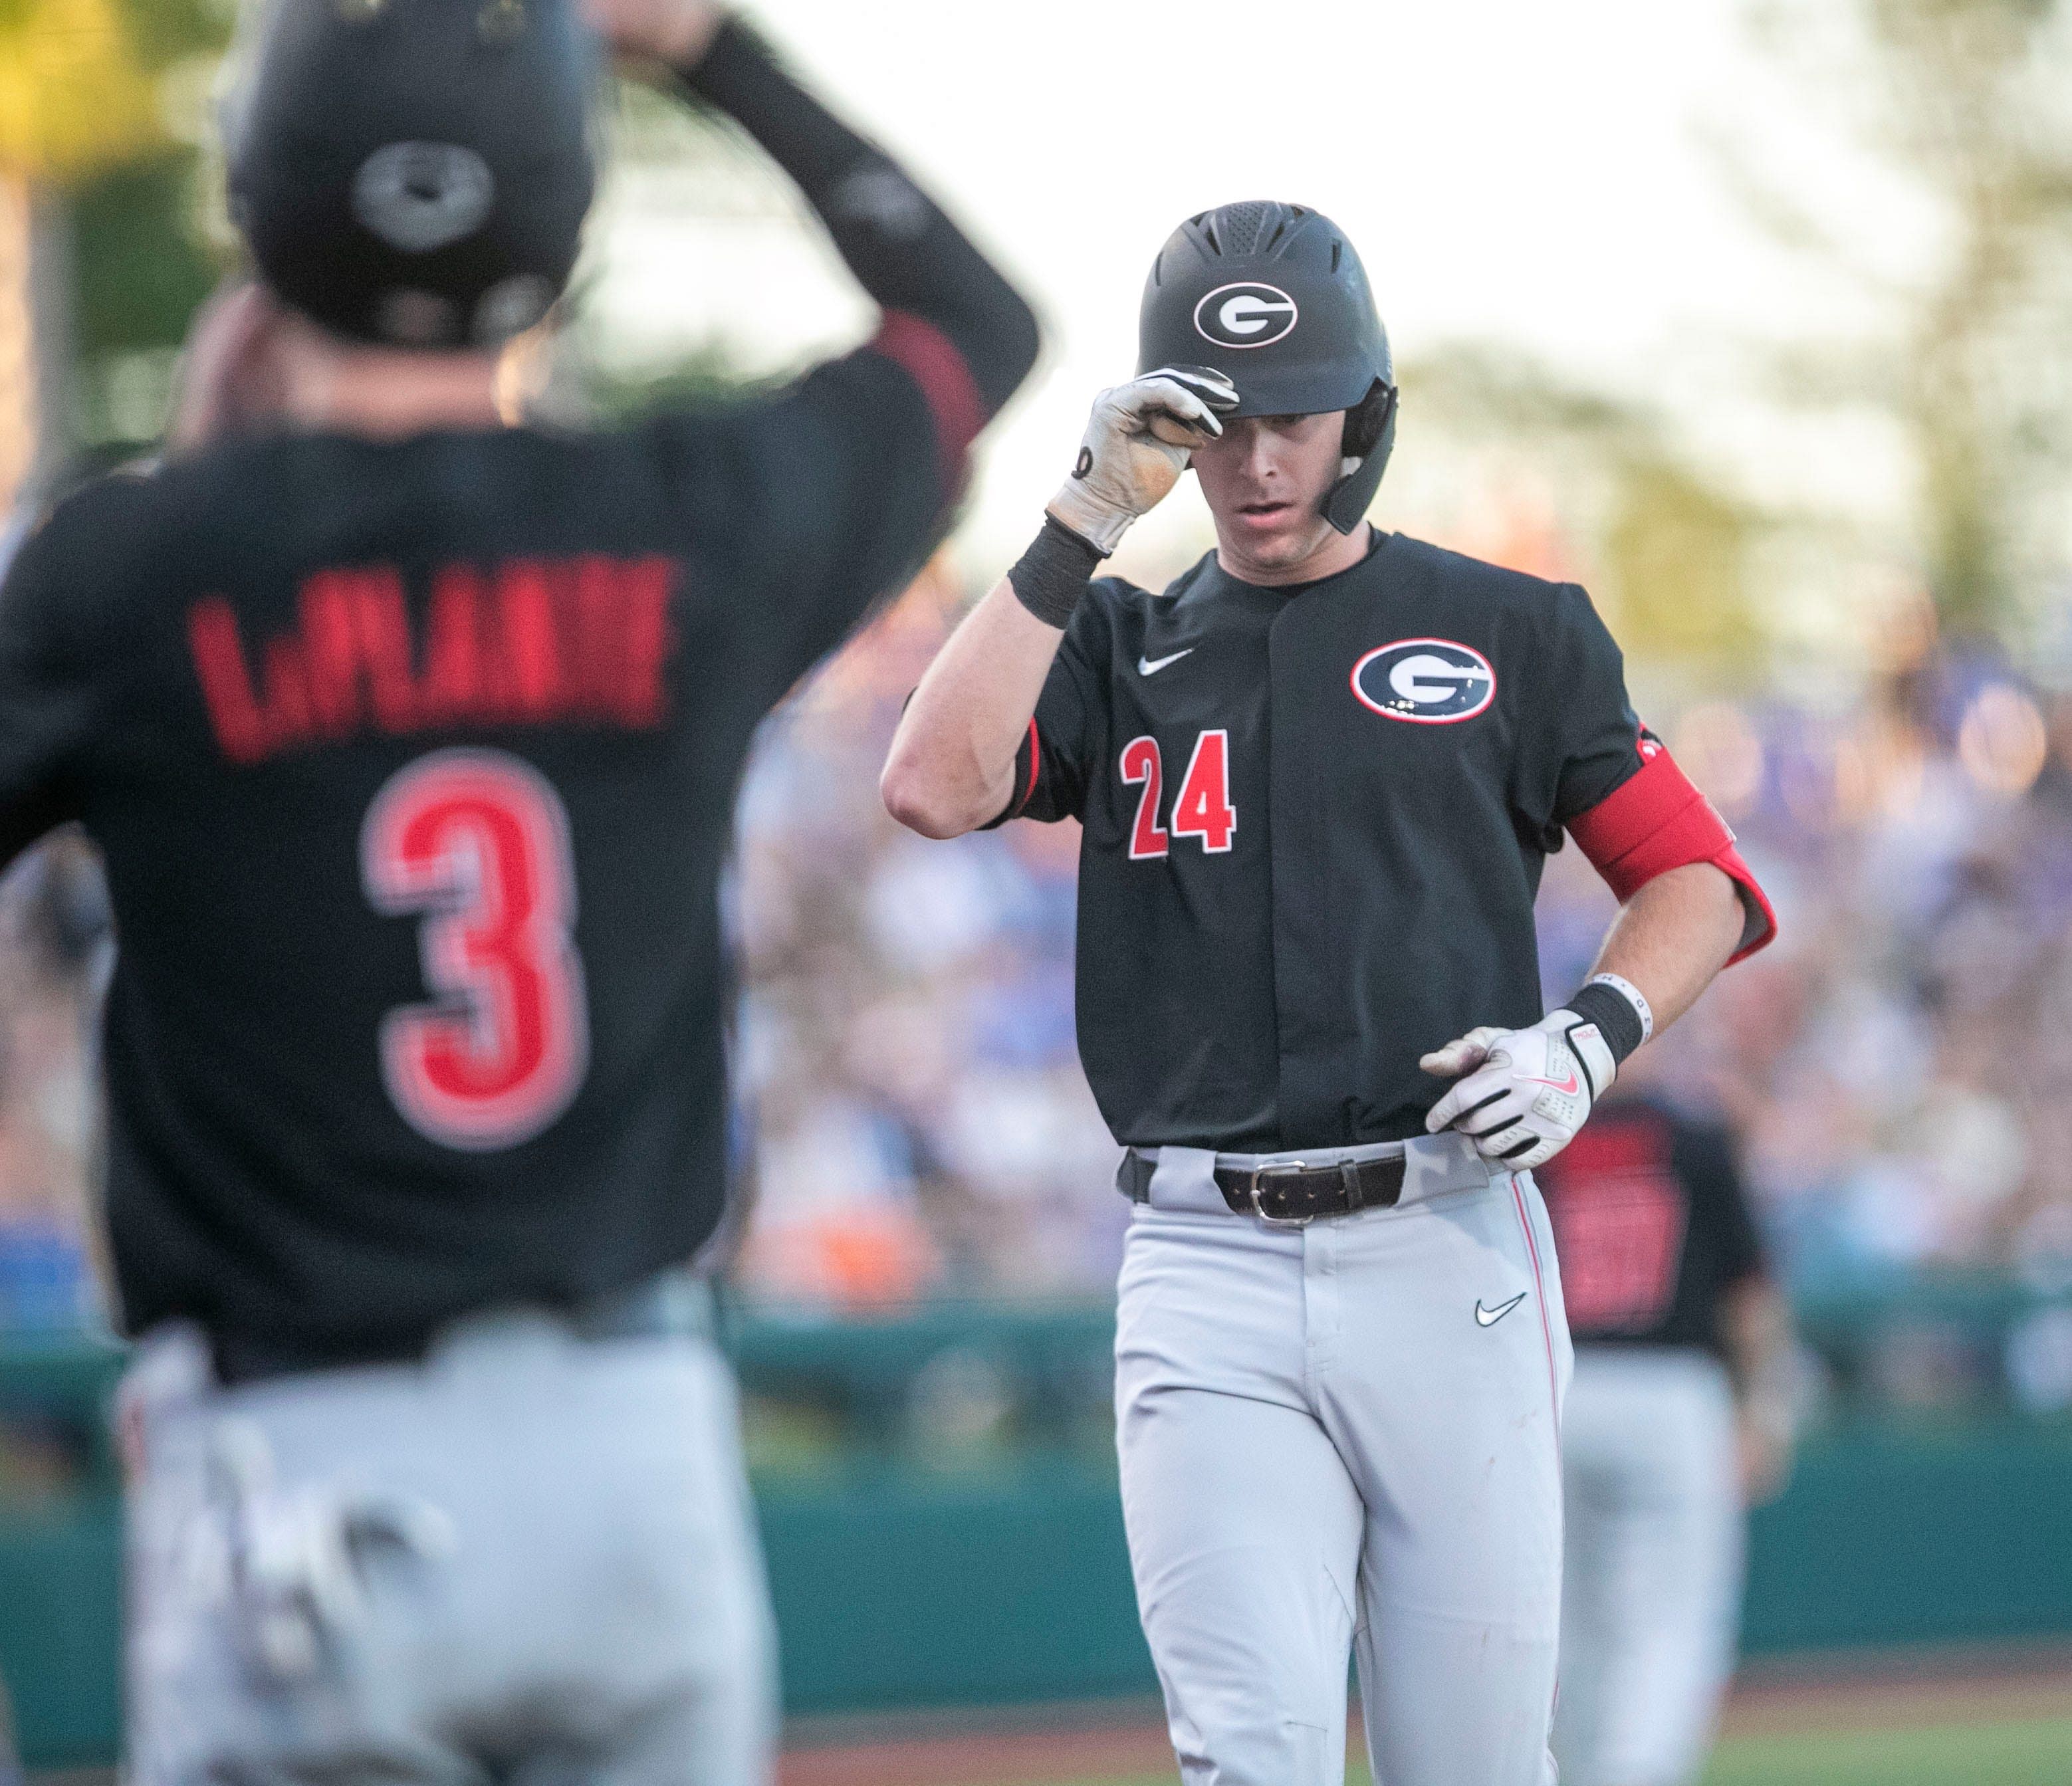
x=1273 y=297
x=416 y=172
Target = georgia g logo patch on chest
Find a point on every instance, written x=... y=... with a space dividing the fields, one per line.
x=1425 y=681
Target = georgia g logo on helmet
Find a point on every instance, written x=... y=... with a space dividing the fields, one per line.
x=1247 y=315
x=1424 y=681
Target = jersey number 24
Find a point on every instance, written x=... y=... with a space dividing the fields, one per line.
x=1201 y=809
x=478 y=842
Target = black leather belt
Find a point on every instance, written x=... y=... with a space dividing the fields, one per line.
x=675 y=1303
x=1288 y=1192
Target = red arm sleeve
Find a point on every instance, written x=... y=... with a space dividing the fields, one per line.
x=1656 y=820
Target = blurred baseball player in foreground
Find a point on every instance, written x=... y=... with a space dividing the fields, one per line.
x=1679 y=1417
x=411 y=740
x=1318 y=777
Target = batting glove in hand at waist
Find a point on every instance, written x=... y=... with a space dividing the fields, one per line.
x=1527 y=1092
x=1136 y=445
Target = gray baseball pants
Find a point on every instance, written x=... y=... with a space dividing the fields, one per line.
x=529 y=1559
x=1651 y=1607
x=1344 y=1438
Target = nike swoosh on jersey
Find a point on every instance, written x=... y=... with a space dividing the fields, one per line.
x=1488 y=1317
x=1150 y=667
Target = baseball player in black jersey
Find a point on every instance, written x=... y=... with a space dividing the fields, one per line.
x=1318 y=776
x=1679 y=1416
x=411 y=741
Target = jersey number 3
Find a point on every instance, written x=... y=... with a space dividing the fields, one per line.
x=478 y=842
x=1202 y=808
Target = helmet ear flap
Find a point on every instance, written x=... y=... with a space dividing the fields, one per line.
x=1369 y=437
x=1367 y=419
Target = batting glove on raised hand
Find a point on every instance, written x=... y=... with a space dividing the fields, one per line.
x=1526 y=1091
x=1137 y=446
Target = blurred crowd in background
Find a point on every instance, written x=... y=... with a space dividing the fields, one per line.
x=1900 y=1065
x=913 y=1118
x=1744 y=501
x=54 y=943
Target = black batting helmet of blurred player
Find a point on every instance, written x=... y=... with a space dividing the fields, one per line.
x=1273 y=297
x=415 y=172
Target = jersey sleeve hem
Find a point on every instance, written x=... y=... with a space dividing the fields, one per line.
x=1028 y=772
x=1656 y=820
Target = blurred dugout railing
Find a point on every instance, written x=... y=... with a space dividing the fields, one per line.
x=938 y=1507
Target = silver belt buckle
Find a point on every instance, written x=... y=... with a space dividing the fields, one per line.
x=1281 y=1169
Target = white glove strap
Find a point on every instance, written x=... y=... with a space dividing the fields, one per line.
x=1593 y=1051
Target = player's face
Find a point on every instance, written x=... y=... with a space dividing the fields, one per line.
x=1265 y=480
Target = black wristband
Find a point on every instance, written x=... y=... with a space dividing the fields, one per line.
x=1612 y=1012
x=1051 y=576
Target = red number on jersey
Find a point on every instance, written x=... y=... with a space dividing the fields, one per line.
x=1203 y=809
x=479 y=842
x=1140 y=763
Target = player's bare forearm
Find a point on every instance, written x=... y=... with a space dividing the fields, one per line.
x=952 y=763
x=1674 y=936
x=952 y=766
x=1755 y=1322
x=1521 y=1094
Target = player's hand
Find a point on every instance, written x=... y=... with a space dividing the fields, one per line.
x=1526 y=1091
x=1137 y=446
x=675 y=31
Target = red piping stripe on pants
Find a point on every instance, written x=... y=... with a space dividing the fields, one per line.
x=1540 y=1297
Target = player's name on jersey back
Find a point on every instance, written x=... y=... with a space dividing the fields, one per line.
x=528 y=641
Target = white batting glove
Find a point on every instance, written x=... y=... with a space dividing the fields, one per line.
x=1527 y=1092
x=1136 y=445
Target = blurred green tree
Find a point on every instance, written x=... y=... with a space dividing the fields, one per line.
x=78 y=80
x=1963 y=109
x=1666 y=547
x=95 y=188
x=75 y=94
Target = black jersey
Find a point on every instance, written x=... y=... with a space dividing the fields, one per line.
x=1315 y=820
x=413 y=767
x=414 y=764
x=1651 y=1226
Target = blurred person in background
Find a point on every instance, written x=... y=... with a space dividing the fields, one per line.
x=1318 y=778
x=410 y=737
x=1679 y=1417
x=910 y=1005
x=54 y=948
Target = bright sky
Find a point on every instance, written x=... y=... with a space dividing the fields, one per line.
x=1511 y=171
